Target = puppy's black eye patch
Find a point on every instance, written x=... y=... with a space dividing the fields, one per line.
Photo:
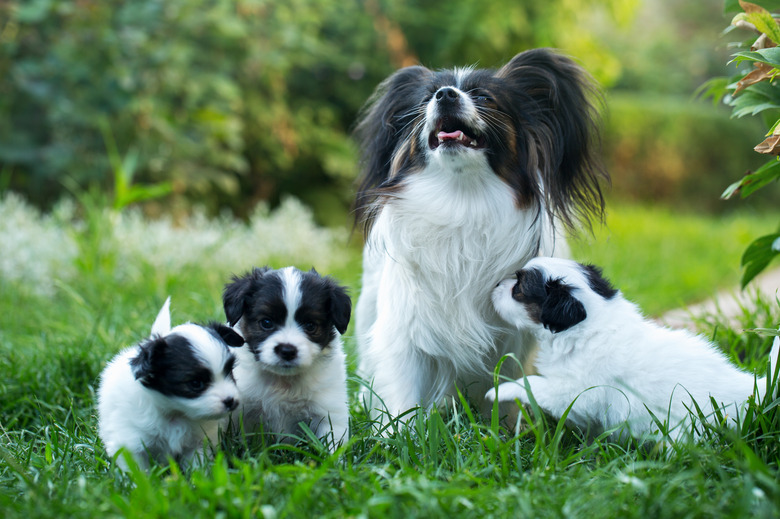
x=196 y=385
x=169 y=366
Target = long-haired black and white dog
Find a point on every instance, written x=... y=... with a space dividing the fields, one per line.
x=464 y=174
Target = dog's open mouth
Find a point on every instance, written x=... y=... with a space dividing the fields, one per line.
x=453 y=132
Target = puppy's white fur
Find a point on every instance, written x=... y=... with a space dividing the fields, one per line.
x=615 y=365
x=149 y=424
x=277 y=394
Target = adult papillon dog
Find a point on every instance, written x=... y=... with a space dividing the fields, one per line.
x=466 y=175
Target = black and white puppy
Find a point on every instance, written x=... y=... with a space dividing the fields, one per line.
x=453 y=162
x=167 y=395
x=293 y=368
x=598 y=351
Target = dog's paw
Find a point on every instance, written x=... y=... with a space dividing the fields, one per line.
x=508 y=392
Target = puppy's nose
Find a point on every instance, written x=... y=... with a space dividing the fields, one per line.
x=230 y=403
x=286 y=351
x=447 y=94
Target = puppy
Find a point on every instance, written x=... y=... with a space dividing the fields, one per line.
x=168 y=394
x=597 y=351
x=293 y=367
x=453 y=162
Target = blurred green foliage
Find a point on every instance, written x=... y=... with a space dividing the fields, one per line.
x=232 y=102
x=225 y=103
x=661 y=147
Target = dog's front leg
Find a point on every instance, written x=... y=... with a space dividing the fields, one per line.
x=541 y=389
x=509 y=391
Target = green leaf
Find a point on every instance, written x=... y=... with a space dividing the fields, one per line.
x=758 y=255
x=750 y=103
x=764 y=175
x=762 y=19
x=142 y=192
x=770 y=56
x=752 y=182
x=715 y=88
x=756 y=99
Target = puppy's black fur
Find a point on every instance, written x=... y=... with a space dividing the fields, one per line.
x=550 y=302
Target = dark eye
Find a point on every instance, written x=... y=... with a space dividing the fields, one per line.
x=266 y=324
x=197 y=385
x=482 y=97
x=310 y=327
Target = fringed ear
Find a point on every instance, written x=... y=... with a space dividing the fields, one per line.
x=561 y=310
x=236 y=293
x=340 y=307
x=162 y=323
x=142 y=364
x=560 y=110
x=231 y=337
x=384 y=123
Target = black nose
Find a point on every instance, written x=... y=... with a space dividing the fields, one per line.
x=230 y=403
x=447 y=94
x=286 y=351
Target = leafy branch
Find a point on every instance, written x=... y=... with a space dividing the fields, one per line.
x=750 y=93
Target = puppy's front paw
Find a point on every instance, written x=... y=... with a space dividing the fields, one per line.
x=508 y=392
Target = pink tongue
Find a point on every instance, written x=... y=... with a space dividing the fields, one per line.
x=453 y=135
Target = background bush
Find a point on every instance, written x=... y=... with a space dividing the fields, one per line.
x=234 y=102
x=674 y=149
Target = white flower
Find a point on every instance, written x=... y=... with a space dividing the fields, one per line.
x=38 y=249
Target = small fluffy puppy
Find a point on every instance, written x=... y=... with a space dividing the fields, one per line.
x=597 y=348
x=293 y=368
x=168 y=394
x=453 y=162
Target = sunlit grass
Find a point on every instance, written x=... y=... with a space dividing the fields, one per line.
x=664 y=259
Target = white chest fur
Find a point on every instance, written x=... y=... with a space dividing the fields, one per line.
x=435 y=253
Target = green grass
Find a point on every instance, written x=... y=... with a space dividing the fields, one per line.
x=54 y=343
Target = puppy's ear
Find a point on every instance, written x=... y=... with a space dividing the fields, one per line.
x=384 y=124
x=562 y=104
x=236 y=293
x=231 y=337
x=142 y=364
x=598 y=283
x=340 y=307
x=561 y=310
x=162 y=324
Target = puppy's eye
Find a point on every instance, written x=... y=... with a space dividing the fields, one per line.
x=310 y=327
x=266 y=324
x=197 y=385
